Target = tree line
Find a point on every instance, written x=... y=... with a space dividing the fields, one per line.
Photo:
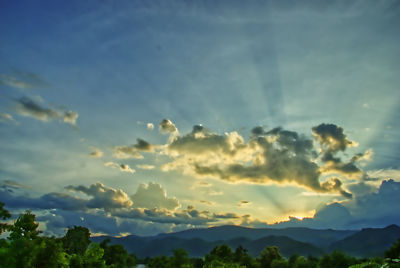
x=25 y=247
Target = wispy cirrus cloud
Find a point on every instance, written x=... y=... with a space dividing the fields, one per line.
x=146 y=167
x=7 y=118
x=22 y=80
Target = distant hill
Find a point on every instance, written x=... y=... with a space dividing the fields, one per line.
x=369 y=242
x=144 y=247
x=303 y=241
x=321 y=238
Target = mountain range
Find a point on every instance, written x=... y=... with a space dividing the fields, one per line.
x=302 y=241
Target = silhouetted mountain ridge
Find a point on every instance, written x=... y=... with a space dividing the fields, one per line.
x=302 y=241
x=321 y=238
x=369 y=241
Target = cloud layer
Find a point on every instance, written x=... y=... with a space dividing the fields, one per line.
x=149 y=204
x=274 y=156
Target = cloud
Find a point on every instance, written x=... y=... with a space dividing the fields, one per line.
x=152 y=195
x=110 y=205
x=143 y=146
x=22 y=80
x=206 y=202
x=126 y=168
x=332 y=140
x=103 y=196
x=132 y=151
x=332 y=137
x=28 y=107
x=373 y=208
x=201 y=184
x=243 y=203
x=187 y=216
x=146 y=167
x=98 y=222
x=70 y=117
x=6 y=118
x=166 y=126
x=274 y=156
x=96 y=153
x=214 y=192
x=13 y=184
x=150 y=126
x=377 y=208
x=46 y=201
x=384 y=174
x=122 y=167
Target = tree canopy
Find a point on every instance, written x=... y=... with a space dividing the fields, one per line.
x=26 y=247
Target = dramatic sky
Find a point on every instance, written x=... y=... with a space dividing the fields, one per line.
x=141 y=117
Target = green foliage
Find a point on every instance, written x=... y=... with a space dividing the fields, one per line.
x=337 y=259
x=268 y=255
x=93 y=257
x=243 y=258
x=23 y=245
x=180 y=258
x=281 y=263
x=159 y=262
x=76 y=240
x=4 y=215
x=25 y=248
x=76 y=261
x=116 y=256
x=24 y=227
x=49 y=253
x=197 y=262
x=222 y=253
x=394 y=251
x=368 y=264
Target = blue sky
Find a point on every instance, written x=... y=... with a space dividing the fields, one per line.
x=81 y=82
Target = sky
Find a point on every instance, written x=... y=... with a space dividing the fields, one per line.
x=143 y=117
